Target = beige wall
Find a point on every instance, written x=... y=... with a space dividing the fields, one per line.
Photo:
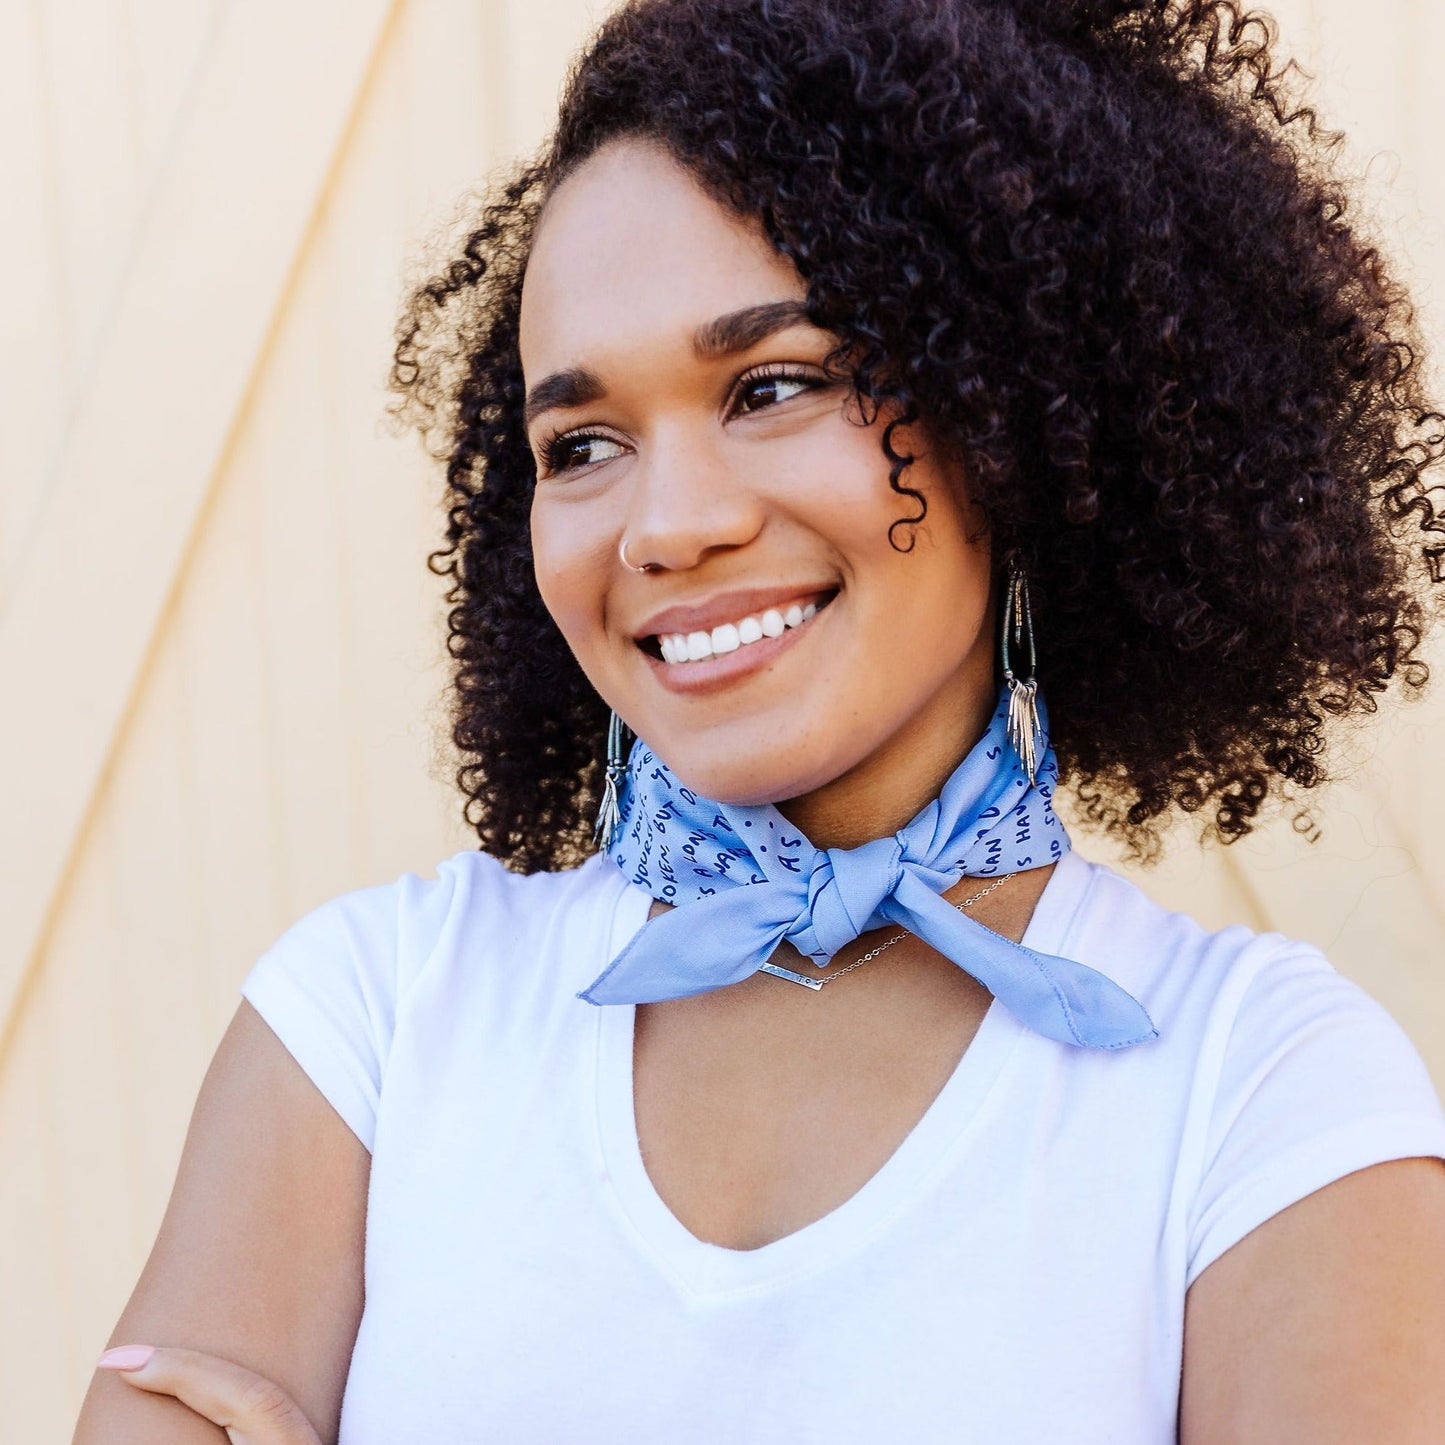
x=221 y=649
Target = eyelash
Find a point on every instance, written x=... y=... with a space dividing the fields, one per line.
x=552 y=449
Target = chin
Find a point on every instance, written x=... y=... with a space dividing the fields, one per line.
x=748 y=781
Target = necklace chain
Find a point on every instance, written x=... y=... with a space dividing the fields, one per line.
x=898 y=937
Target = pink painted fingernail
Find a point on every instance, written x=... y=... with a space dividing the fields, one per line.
x=125 y=1357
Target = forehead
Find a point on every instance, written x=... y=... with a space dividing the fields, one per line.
x=631 y=251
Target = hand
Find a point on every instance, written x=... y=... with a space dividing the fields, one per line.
x=251 y=1409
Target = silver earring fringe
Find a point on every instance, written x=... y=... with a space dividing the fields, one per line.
x=609 y=815
x=1024 y=731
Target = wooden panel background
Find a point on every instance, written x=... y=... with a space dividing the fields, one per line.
x=220 y=644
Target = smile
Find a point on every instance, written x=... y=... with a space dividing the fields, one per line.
x=679 y=647
x=703 y=660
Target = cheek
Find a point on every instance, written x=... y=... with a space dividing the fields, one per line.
x=836 y=486
x=848 y=499
x=921 y=606
x=571 y=571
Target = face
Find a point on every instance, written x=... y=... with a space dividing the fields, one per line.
x=778 y=645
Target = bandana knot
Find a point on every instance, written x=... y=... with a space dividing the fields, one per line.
x=845 y=888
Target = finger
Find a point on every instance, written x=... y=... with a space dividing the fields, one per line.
x=250 y=1408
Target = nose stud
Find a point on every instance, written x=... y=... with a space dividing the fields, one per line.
x=622 y=553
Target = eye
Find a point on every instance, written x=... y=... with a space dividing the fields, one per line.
x=565 y=451
x=754 y=391
x=774 y=385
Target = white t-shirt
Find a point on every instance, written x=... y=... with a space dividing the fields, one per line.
x=1015 y=1272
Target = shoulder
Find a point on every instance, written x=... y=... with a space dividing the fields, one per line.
x=1265 y=1044
x=1279 y=1073
x=394 y=929
x=335 y=983
x=1199 y=983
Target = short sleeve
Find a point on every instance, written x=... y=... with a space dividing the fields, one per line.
x=330 y=985
x=1317 y=1080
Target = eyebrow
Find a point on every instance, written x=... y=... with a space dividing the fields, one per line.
x=738 y=330
x=574 y=387
x=722 y=336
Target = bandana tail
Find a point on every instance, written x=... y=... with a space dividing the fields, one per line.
x=1057 y=997
x=714 y=941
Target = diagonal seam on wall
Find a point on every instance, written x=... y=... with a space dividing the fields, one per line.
x=213 y=257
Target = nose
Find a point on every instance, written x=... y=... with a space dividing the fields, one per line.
x=687 y=501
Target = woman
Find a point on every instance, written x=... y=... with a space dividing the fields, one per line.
x=845 y=379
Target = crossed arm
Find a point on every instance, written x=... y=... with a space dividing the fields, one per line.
x=259 y=1256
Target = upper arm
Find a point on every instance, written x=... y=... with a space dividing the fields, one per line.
x=259 y=1256
x=1326 y=1323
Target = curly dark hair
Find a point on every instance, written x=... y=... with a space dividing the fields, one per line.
x=1096 y=249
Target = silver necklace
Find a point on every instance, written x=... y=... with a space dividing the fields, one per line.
x=817 y=983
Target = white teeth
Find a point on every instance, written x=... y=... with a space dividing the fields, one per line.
x=725 y=639
x=729 y=636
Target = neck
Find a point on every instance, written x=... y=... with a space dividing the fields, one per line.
x=881 y=793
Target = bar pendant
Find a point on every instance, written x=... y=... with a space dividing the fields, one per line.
x=781 y=972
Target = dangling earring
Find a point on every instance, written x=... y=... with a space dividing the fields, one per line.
x=1024 y=731
x=609 y=815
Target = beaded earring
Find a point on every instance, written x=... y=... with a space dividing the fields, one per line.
x=609 y=815
x=1024 y=731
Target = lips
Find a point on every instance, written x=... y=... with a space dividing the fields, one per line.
x=728 y=637
x=703 y=644
x=690 y=674
x=728 y=608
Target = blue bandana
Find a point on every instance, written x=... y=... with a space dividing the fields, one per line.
x=745 y=879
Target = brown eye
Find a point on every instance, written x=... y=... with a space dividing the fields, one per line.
x=770 y=388
x=567 y=453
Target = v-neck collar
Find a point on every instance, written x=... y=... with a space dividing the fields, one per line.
x=700 y=1269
